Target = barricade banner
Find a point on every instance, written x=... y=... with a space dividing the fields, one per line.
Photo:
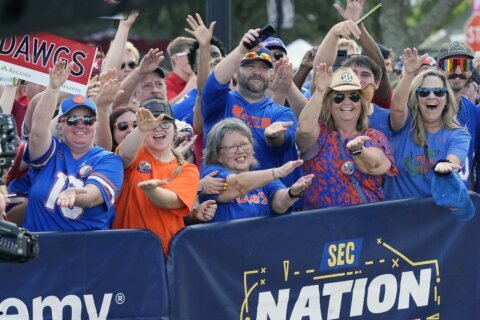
x=29 y=57
x=406 y=259
x=88 y=275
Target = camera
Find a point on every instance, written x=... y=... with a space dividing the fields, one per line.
x=8 y=141
x=16 y=244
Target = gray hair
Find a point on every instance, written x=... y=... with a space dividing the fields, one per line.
x=218 y=132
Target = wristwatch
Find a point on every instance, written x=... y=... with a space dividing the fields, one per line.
x=294 y=196
x=356 y=151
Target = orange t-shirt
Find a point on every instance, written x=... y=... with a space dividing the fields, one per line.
x=135 y=211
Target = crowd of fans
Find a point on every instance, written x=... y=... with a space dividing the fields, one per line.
x=230 y=136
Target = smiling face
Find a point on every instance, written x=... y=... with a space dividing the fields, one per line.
x=151 y=87
x=236 y=152
x=348 y=109
x=254 y=76
x=78 y=137
x=119 y=135
x=160 y=140
x=432 y=106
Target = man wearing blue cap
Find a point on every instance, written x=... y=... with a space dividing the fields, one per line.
x=74 y=183
x=273 y=125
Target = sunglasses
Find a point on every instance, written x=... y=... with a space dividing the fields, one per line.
x=123 y=125
x=452 y=76
x=278 y=55
x=165 y=124
x=425 y=92
x=253 y=54
x=353 y=96
x=73 y=120
x=130 y=64
x=450 y=65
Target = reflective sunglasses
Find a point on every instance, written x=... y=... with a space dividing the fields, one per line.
x=246 y=147
x=123 y=125
x=450 y=65
x=278 y=55
x=253 y=54
x=130 y=64
x=353 y=96
x=452 y=76
x=73 y=120
x=425 y=92
x=165 y=124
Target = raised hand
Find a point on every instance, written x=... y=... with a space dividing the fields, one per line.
x=277 y=129
x=132 y=16
x=412 y=61
x=323 y=77
x=249 y=37
x=150 y=61
x=211 y=185
x=66 y=198
x=93 y=87
x=308 y=58
x=108 y=92
x=286 y=169
x=146 y=121
x=346 y=29
x=282 y=80
x=59 y=74
x=301 y=184
x=353 y=10
x=151 y=184
x=199 y=30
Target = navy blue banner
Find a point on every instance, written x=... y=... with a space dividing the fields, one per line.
x=406 y=259
x=90 y=275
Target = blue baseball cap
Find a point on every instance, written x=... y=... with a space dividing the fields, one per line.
x=274 y=43
x=450 y=191
x=76 y=101
x=262 y=54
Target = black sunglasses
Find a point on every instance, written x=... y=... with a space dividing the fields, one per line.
x=278 y=55
x=457 y=75
x=130 y=64
x=353 y=96
x=425 y=92
x=73 y=120
x=123 y=125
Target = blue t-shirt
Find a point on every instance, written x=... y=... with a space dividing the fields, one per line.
x=256 y=203
x=56 y=171
x=467 y=117
x=183 y=109
x=379 y=120
x=414 y=168
x=218 y=103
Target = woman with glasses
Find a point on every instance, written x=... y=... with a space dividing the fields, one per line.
x=160 y=187
x=74 y=183
x=249 y=192
x=347 y=158
x=122 y=122
x=427 y=137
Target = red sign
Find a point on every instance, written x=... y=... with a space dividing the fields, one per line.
x=472 y=32
x=29 y=57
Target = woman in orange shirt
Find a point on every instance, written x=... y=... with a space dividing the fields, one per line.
x=159 y=188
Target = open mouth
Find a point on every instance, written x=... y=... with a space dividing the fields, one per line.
x=349 y=109
x=432 y=106
x=159 y=137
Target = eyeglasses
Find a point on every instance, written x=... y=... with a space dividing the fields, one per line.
x=165 y=124
x=353 y=96
x=253 y=54
x=452 y=76
x=278 y=55
x=246 y=147
x=73 y=120
x=425 y=92
x=130 y=64
x=450 y=65
x=123 y=125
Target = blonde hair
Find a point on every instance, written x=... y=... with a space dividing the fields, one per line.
x=326 y=112
x=449 y=114
x=349 y=44
x=129 y=47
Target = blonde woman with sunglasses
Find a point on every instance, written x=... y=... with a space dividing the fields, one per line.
x=426 y=137
x=347 y=158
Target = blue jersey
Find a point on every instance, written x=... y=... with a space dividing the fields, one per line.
x=218 y=103
x=256 y=203
x=379 y=120
x=467 y=117
x=56 y=171
x=183 y=109
x=415 y=163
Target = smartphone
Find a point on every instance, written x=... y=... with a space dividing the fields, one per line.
x=266 y=32
x=341 y=56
